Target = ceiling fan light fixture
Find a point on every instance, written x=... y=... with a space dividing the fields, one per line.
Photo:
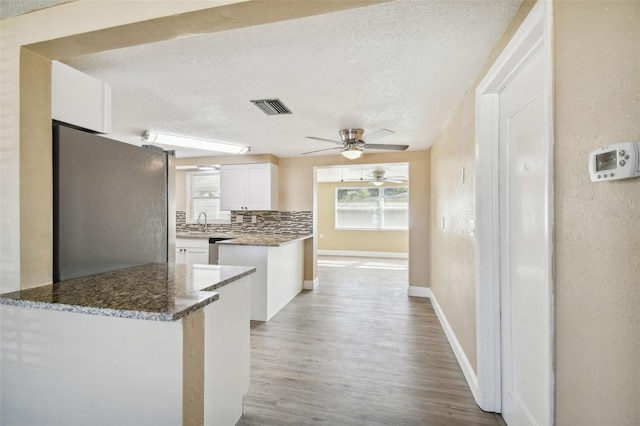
x=352 y=153
x=187 y=142
x=377 y=182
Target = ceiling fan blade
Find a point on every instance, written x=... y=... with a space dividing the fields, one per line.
x=400 y=178
x=378 y=134
x=324 y=140
x=394 y=180
x=388 y=147
x=319 y=150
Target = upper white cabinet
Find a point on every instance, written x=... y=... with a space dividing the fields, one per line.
x=249 y=186
x=79 y=99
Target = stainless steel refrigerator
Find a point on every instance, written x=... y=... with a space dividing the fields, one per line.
x=112 y=204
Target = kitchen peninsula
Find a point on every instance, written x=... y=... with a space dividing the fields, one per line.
x=279 y=263
x=84 y=351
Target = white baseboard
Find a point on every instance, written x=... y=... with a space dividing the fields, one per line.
x=415 y=291
x=311 y=284
x=387 y=254
x=465 y=365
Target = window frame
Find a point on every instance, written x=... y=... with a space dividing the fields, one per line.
x=190 y=219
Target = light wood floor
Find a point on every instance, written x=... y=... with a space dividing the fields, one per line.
x=357 y=351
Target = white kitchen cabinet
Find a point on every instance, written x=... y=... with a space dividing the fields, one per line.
x=192 y=251
x=249 y=186
x=192 y=256
x=79 y=99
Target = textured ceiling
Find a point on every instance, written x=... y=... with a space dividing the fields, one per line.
x=402 y=65
x=9 y=8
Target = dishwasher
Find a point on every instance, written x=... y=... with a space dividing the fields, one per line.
x=213 y=250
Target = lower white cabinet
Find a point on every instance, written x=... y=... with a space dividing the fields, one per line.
x=192 y=256
x=192 y=251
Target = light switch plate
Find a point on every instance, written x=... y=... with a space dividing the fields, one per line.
x=254 y=219
x=239 y=218
x=471 y=227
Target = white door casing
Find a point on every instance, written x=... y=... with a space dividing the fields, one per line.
x=532 y=42
x=525 y=321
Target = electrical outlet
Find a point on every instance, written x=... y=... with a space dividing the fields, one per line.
x=321 y=236
x=239 y=218
x=254 y=219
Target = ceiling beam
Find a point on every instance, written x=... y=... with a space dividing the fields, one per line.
x=222 y=18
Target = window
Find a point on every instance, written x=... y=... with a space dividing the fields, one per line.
x=384 y=208
x=203 y=192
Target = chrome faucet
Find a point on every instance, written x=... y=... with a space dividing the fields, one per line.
x=202 y=227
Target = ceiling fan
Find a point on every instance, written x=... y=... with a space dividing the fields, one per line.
x=352 y=145
x=378 y=178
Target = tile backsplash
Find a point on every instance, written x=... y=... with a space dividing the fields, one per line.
x=267 y=222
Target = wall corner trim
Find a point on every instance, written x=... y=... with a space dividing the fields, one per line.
x=311 y=284
x=415 y=291
x=534 y=35
x=465 y=365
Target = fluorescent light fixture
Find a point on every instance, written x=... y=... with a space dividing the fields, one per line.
x=352 y=153
x=185 y=142
x=201 y=167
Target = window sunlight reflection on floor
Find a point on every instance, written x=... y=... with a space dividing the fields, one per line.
x=398 y=268
x=363 y=263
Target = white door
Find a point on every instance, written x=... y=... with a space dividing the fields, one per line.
x=524 y=248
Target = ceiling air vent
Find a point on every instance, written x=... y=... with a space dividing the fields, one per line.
x=271 y=106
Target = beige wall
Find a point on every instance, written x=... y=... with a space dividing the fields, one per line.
x=193 y=335
x=352 y=240
x=297 y=193
x=597 y=286
x=36 y=224
x=453 y=254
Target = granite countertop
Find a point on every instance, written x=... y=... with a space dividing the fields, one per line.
x=270 y=240
x=155 y=291
x=198 y=234
x=264 y=240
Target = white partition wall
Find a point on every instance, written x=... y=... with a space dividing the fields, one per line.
x=227 y=348
x=71 y=368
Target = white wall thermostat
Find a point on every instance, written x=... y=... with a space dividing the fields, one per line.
x=615 y=161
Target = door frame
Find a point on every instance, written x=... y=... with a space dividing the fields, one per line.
x=534 y=35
